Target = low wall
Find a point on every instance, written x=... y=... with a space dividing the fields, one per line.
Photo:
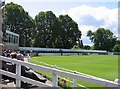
x=58 y=54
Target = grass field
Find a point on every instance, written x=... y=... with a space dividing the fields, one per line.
x=104 y=66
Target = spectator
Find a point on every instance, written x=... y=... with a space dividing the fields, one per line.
x=20 y=57
x=26 y=73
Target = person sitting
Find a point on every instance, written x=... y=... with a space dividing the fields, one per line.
x=8 y=66
x=20 y=57
x=25 y=71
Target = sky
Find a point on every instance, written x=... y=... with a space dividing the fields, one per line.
x=89 y=14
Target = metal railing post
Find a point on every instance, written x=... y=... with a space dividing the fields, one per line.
x=18 y=73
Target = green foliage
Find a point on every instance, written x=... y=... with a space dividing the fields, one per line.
x=45 y=29
x=70 y=33
x=87 y=47
x=116 y=48
x=80 y=44
x=92 y=47
x=75 y=47
x=17 y=20
x=55 y=32
x=103 y=39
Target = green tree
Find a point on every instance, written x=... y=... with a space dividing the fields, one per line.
x=55 y=32
x=80 y=44
x=87 y=47
x=18 y=20
x=76 y=47
x=58 y=35
x=117 y=41
x=46 y=29
x=103 y=39
x=71 y=34
x=116 y=48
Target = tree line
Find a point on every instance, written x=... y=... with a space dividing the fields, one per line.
x=46 y=30
x=49 y=31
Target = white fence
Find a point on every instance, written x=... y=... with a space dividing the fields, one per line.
x=67 y=70
x=55 y=72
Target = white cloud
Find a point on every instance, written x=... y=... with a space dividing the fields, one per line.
x=91 y=18
x=99 y=13
x=85 y=29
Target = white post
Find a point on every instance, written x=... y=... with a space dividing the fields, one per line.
x=35 y=61
x=117 y=81
x=18 y=73
x=55 y=66
x=74 y=83
x=28 y=57
x=42 y=71
x=55 y=79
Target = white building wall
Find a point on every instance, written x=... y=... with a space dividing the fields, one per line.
x=13 y=41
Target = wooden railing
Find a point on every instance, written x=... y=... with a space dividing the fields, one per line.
x=55 y=72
